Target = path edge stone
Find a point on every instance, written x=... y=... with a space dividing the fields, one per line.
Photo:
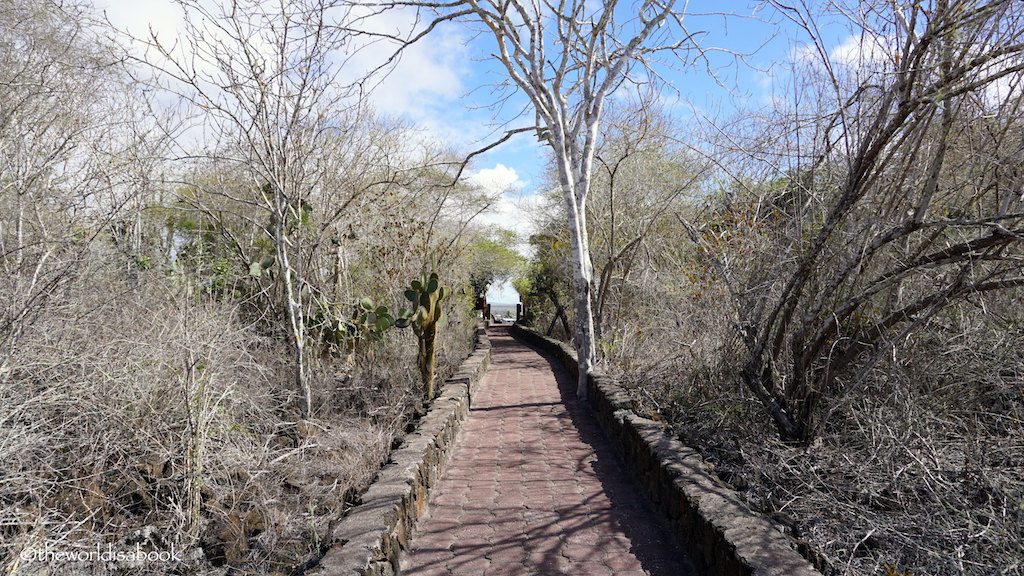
x=704 y=515
x=371 y=538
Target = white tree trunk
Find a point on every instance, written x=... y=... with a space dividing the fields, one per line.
x=574 y=193
x=583 y=283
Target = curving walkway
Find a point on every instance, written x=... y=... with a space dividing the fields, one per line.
x=534 y=488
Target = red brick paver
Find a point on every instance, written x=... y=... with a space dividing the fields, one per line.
x=535 y=489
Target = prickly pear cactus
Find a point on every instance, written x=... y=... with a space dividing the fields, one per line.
x=368 y=323
x=425 y=295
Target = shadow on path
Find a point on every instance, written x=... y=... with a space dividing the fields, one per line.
x=535 y=488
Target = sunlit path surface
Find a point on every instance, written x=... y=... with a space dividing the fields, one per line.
x=534 y=488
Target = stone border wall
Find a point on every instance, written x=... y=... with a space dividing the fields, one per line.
x=370 y=540
x=704 y=515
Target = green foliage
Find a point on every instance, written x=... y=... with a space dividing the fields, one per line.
x=372 y=320
x=545 y=279
x=368 y=323
x=493 y=260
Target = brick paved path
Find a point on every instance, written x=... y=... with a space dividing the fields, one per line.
x=534 y=488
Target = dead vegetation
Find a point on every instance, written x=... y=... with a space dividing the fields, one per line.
x=143 y=418
x=188 y=381
x=919 y=468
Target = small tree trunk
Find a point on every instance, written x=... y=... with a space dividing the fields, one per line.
x=425 y=360
x=292 y=288
x=194 y=454
x=585 y=348
x=298 y=333
x=759 y=380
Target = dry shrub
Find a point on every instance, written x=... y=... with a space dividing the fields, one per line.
x=667 y=347
x=919 y=467
x=133 y=414
x=115 y=411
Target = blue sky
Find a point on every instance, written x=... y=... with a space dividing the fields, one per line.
x=444 y=85
x=736 y=37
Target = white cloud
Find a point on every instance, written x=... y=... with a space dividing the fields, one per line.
x=1006 y=87
x=428 y=75
x=865 y=53
x=1003 y=90
x=423 y=78
x=427 y=86
x=868 y=54
x=513 y=210
x=507 y=212
x=499 y=179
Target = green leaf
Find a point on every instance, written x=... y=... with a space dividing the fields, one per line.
x=417 y=285
x=432 y=285
x=366 y=304
x=412 y=295
x=381 y=310
x=267 y=262
x=255 y=269
x=402 y=323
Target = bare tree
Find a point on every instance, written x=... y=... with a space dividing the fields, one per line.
x=643 y=176
x=68 y=155
x=889 y=192
x=567 y=59
x=264 y=84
